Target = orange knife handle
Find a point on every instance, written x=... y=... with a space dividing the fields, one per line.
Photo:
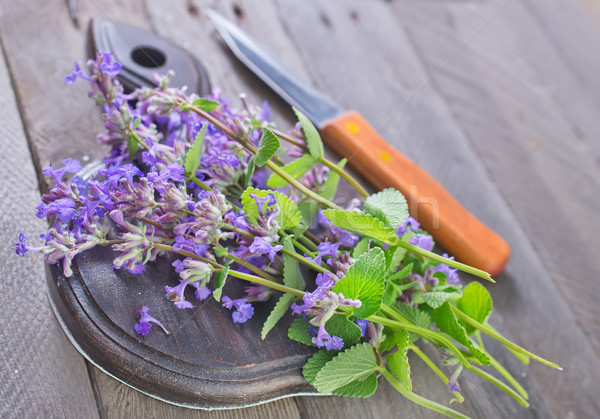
x=451 y=225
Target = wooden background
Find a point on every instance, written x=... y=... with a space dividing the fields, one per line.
x=498 y=99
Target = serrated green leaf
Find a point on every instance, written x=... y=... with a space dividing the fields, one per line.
x=315 y=363
x=393 y=291
x=361 y=223
x=354 y=364
x=401 y=274
x=436 y=299
x=194 y=154
x=288 y=218
x=398 y=361
x=298 y=331
x=267 y=147
x=292 y=276
x=389 y=205
x=249 y=172
x=220 y=282
x=220 y=251
x=419 y=317
x=309 y=210
x=475 y=303
x=295 y=169
x=364 y=281
x=329 y=187
x=339 y=325
x=389 y=341
x=361 y=247
x=282 y=306
x=446 y=321
x=206 y=105
x=393 y=258
x=364 y=388
x=311 y=135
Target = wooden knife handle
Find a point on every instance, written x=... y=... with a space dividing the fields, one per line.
x=451 y=225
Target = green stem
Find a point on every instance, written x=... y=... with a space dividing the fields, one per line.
x=435 y=369
x=305 y=261
x=251 y=267
x=300 y=187
x=200 y=183
x=487 y=376
x=308 y=242
x=508 y=377
x=302 y=248
x=425 y=333
x=521 y=357
x=346 y=176
x=429 y=404
x=433 y=256
x=490 y=332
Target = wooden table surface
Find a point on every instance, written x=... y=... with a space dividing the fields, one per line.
x=498 y=99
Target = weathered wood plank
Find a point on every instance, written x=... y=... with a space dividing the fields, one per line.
x=116 y=400
x=389 y=86
x=42 y=374
x=529 y=134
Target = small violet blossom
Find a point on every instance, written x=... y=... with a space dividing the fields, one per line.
x=146 y=319
x=243 y=310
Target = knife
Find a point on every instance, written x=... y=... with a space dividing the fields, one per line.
x=350 y=135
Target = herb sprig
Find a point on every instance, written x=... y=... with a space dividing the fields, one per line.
x=215 y=188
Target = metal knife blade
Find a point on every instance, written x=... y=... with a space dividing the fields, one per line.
x=281 y=79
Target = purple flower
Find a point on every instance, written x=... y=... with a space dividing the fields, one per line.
x=335 y=343
x=453 y=385
x=202 y=293
x=109 y=65
x=243 y=310
x=144 y=325
x=451 y=274
x=261 y=201
x=69 y=165
x=424 y=241
x=362 y=324
x=76 y=73
x=263 y=247
x=410 y=224
x=20 y=247
x=175 y=294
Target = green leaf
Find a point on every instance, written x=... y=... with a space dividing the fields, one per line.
x=282 y=306
x=315 y=363
x=354 y=364
x=393 y=258
x=363 y=388
x=292 y=276
x=475 y=303
x=311 y=135
x=361 y=223
x=220 y=251
x=419 y=317
x=267 y=147
x=436 y=299
x=249 y=172
x=446 y=321
x=298 y=331
x=295 y=169
x=194 y=154
x=389 y=206
x=364 y=281
x=132 y=145
x=392 y=291
x=220 y=282
x=288 y=218
x=361 y=247
x=206 y=105
x=401 y=274
x=329 y=187
x=398 y=361
x=340 y=325
x=309 y=210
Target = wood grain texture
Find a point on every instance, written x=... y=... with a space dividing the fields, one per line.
x=42 y=374
x=412 y=114
x=534 y=141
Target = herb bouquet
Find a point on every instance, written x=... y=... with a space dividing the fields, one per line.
x=192 y=179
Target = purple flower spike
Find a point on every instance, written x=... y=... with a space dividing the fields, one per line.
x=20 y=247
x=109 y=66
x=424 y=241
x=144 y=325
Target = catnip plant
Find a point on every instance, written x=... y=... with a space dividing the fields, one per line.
x=211 y=188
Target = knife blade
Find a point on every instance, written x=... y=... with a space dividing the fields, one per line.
x=350 y=135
